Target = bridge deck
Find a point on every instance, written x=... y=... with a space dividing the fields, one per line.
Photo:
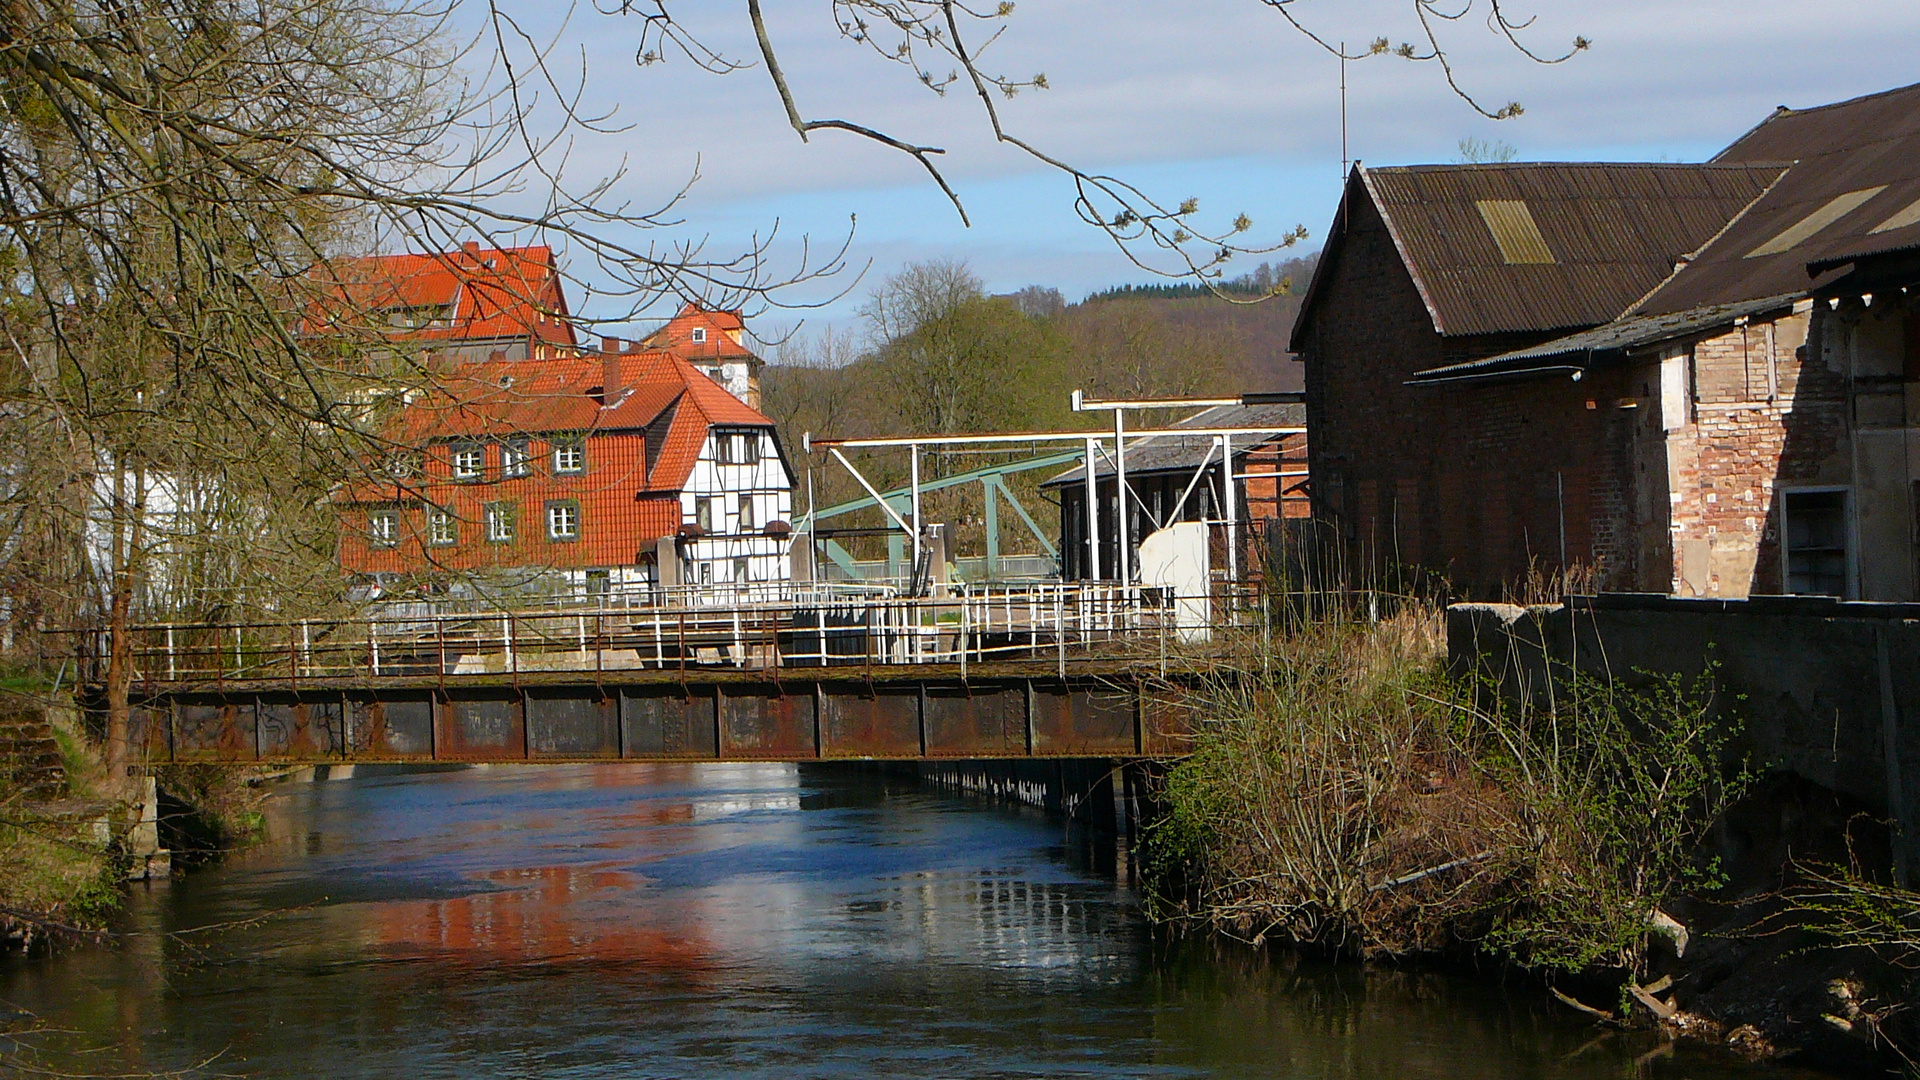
x=905 y=712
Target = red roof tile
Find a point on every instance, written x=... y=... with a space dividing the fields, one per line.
x=626 y=502
x=494 y=293
x=725 y=335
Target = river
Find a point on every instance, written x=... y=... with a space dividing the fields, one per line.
x=732 y=921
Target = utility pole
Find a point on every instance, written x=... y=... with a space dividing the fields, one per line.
x=1343 y=112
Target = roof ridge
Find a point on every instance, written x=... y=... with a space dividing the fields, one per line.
x=1694 y=255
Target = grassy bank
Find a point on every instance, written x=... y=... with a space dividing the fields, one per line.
x=59 y=870
x=1346 y=795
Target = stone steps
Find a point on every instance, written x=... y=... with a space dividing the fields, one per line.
x=31 y=765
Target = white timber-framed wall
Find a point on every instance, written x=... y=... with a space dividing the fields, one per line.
x=739 y=485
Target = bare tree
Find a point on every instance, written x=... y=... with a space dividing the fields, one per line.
x=943 y=45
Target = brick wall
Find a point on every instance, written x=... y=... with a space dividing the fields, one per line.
x=1761 y=417
x=1470 y=481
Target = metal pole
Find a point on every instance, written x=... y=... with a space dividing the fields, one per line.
x=1123 y=531
x=913 y=568
x=1233 y=509
x=1093 y=518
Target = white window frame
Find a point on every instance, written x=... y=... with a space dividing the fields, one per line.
x=460 y=456
x=563 y=520
x=746 y=518
x=570 y=455
x=383 y=528
x=699 y=335
x=500 y=524
x=442 y=531
x=516 y=457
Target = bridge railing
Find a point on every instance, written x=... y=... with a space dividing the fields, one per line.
x=1051 y=622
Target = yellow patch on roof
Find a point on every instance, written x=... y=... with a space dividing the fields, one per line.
x=1909 y=216
x=1836 y=208
x=1511 y=224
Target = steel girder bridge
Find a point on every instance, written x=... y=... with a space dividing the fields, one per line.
x=790 y=673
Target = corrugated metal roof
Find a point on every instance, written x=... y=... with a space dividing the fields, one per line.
x=1578 y=350
x=1852 y=192
x=1179 y=454
x=1602 y=235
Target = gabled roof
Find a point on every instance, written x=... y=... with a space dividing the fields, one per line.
x=497 y=399
x=1510 y=248
x=1170 y=453
x=725 y=335
x=492 y=293
x=1853 y=191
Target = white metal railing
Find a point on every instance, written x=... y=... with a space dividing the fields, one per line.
x=799 y=625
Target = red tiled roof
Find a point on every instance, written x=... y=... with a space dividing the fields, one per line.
x=626 y=502
x=725 y=335
x=494 y=293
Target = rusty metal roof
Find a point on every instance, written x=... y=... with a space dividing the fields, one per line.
x=1853 y=192
x=1578 y=352
x=1509 y=247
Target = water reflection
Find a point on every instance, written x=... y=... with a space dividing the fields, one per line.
x=603 y=921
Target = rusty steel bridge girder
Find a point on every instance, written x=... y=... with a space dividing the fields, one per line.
x=900 y=712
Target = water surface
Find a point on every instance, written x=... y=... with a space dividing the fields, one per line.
x=734 y=921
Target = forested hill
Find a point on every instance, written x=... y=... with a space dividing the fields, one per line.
x=1257 y=332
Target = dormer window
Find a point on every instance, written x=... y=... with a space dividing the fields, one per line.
x=699 y=335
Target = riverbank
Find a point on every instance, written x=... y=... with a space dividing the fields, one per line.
x=70 y=840
x=744 y=921
x=1346 y=795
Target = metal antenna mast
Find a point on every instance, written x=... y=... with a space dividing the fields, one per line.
x=1343 y=112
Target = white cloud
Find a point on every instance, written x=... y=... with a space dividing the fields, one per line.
x=1207 y=99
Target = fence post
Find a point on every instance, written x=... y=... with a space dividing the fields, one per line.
x=172 y=671
x=373 y=644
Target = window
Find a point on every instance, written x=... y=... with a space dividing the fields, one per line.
x=1816 y=542
x=569 y=454
x=599 y=582
x=563 y=520
x=383 y=528
x=740 y=571
x=736 y=447
x=699 y=335
x=747 y=519
x=515 y=457
x=500 y=523
x=703 y=514
x=469 y=461
x=441 y=530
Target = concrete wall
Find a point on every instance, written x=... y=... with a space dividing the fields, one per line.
x=1809 y=676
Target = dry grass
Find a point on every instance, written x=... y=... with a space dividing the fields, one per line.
x=1343 y=792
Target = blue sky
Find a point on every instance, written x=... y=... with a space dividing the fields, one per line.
x=1215 y=99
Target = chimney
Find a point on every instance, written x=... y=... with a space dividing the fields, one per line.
x=610 y=376
x=609 y=344
x=471 y=247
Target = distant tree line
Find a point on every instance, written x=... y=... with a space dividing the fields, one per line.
x=1288 y=278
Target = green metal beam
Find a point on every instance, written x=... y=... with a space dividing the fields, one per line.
x=892 y=497
x=1032 y=526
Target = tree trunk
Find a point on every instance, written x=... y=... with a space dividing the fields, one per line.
x=119 y=645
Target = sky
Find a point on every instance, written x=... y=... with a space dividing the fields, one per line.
x=1218 y=100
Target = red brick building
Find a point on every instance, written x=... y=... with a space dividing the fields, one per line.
x=1663 y=374
x=536 y=462
x=570 y=473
